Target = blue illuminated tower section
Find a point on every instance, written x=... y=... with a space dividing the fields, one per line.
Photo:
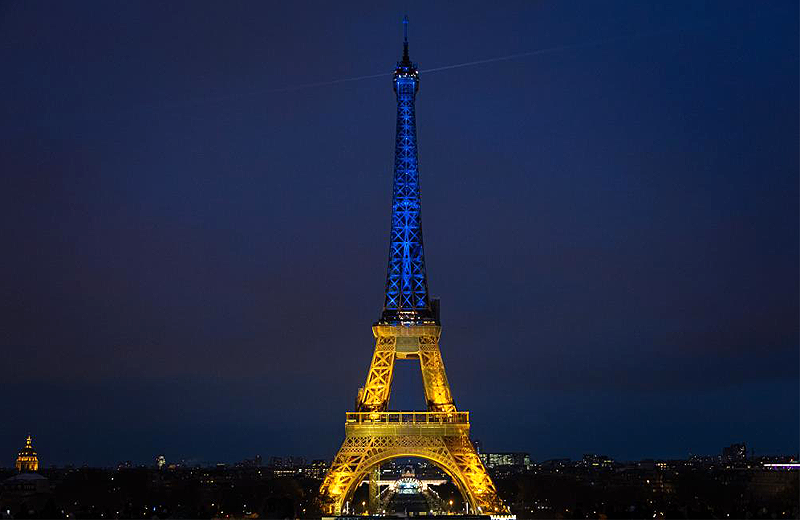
x=407 y=299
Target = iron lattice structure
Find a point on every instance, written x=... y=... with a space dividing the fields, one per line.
x=406 y=281
x=408 y=329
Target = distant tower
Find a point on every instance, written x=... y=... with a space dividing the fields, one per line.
x=27 y=459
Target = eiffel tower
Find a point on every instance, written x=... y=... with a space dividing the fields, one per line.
x=408 y=329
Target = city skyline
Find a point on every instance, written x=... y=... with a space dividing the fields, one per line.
x=28 y=461
x=610 y=224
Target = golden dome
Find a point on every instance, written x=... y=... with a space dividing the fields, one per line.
x=27 y=459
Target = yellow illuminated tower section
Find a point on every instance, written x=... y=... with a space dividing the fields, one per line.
x=409 y=329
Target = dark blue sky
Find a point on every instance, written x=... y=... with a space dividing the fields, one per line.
x=193 y=254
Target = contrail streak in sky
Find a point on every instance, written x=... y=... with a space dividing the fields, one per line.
x=481 y=62
x=303 y=86
x=547 y=50
x=323 y=83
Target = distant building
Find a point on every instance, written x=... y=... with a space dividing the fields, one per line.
x=735 y=453
x=161 y=461
x=317 y=469
x=494 y=460
x=770 y=483
x=286 y=462
x=591 y=460
x=646 y=464
x=25 y=495
x=27 y=460
x=255 y=462
x=26 y=484
x=557 y=464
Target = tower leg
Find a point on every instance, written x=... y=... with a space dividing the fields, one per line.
x=474 y=473
x=375 y=395
x=434 y=378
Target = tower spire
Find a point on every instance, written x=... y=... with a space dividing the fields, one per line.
x=405 y=38
x=406 y=60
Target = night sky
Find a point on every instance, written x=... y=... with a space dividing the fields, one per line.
x=195 y=220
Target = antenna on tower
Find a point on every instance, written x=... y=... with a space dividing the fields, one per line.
x=406 y=59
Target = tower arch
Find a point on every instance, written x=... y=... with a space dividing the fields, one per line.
x=440 y=462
